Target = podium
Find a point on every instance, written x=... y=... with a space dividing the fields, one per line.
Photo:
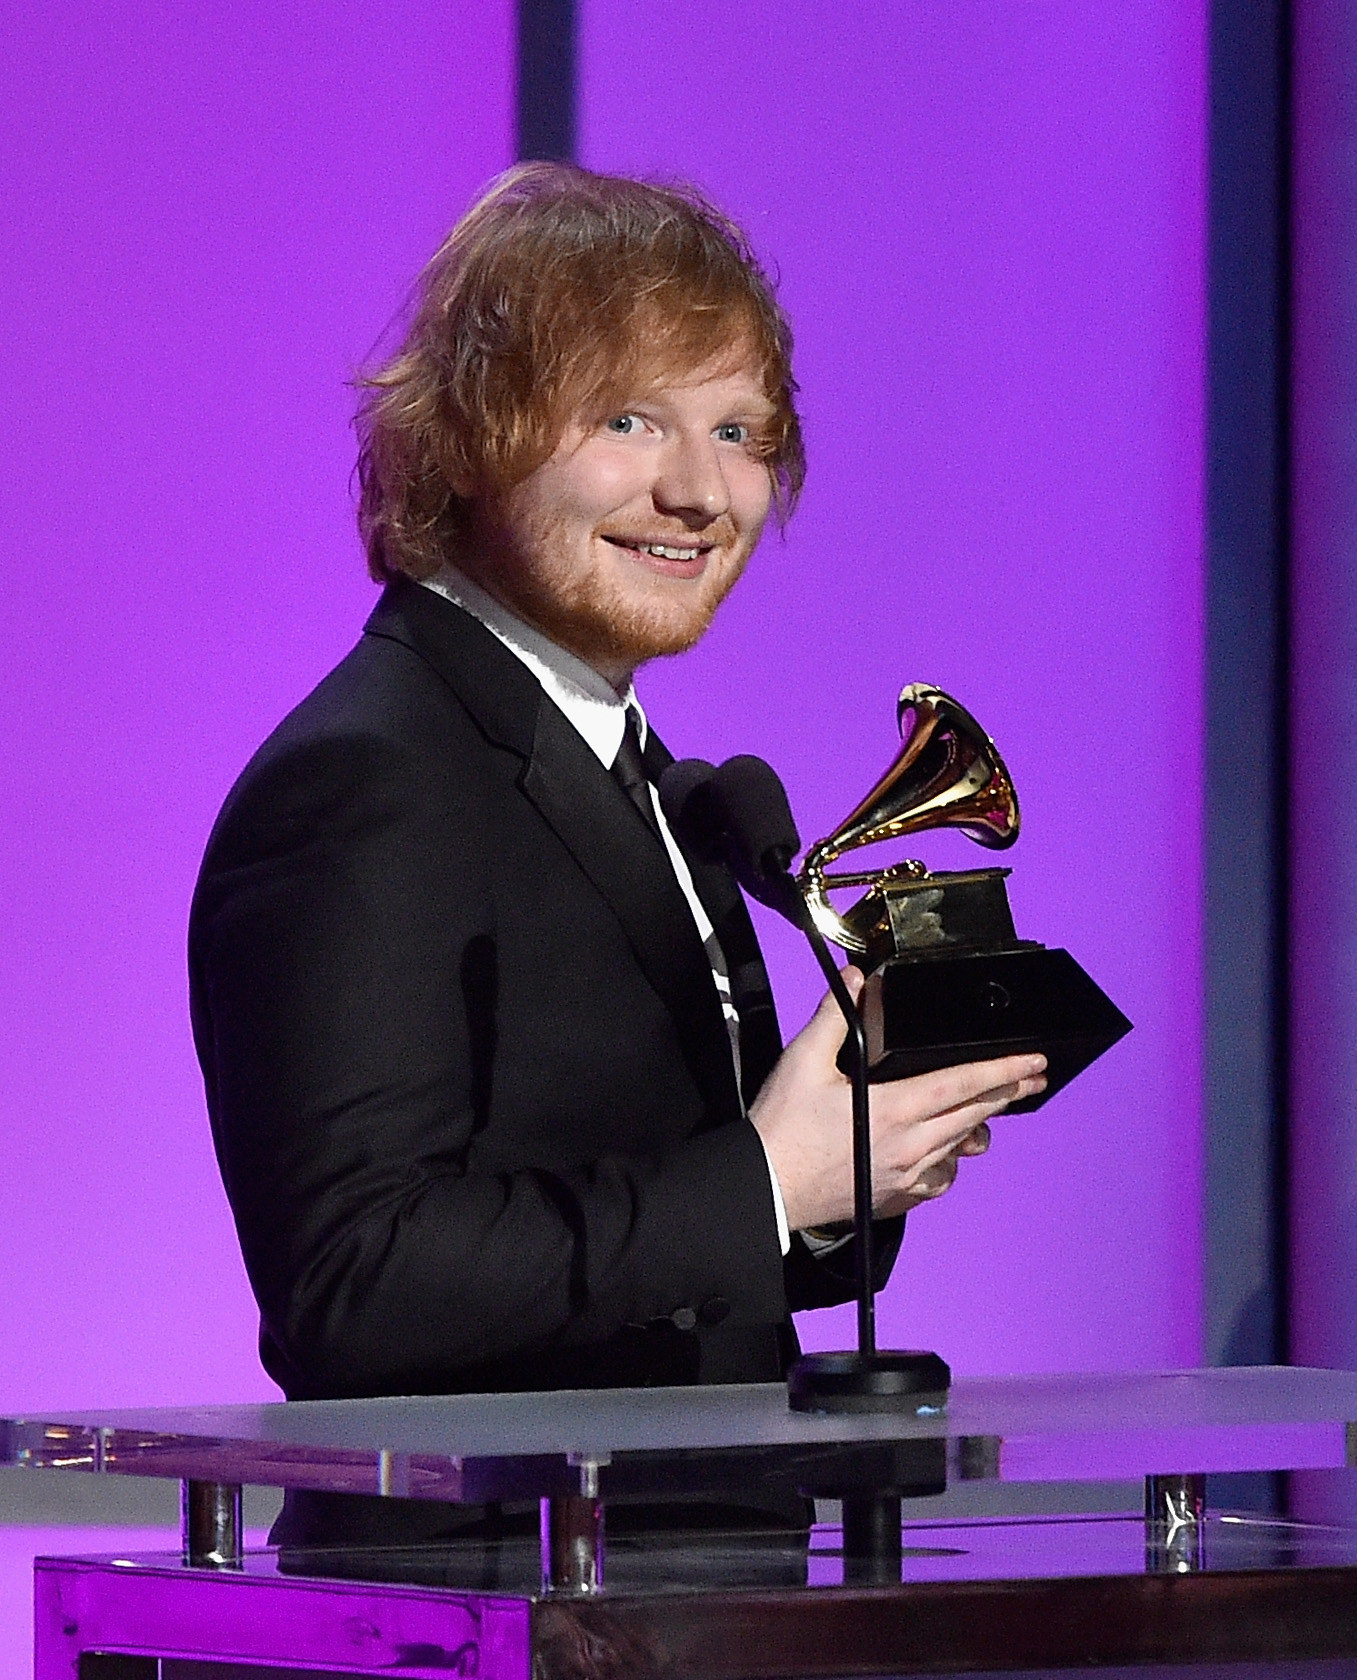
x=1042 y=1580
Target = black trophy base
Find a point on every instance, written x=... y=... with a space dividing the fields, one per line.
x=890 y=1380
x=942 y=1008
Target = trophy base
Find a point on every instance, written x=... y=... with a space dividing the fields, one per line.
x=885 y=1381
x=945 y=1007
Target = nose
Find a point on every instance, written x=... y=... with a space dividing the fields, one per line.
x=690 y=482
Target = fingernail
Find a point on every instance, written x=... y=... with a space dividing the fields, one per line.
x=1036 y=1064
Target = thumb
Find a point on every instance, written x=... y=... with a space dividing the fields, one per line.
x=824 y=1030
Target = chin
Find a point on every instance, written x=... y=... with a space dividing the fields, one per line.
x=628 y=631
x=640 y=637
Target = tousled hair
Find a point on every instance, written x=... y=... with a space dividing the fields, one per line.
x=560 y=292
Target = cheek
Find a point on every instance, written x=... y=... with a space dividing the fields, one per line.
x=751 y=495
x=599 y=482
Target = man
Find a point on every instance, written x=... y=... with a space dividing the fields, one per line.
x=493 y=1068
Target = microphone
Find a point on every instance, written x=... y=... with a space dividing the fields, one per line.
x=763 y=838
x=738 y=815
x=687 y=798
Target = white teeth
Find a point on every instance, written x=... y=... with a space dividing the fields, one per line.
x=664 y=553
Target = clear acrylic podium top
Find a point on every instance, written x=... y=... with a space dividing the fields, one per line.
x=1066 y=1428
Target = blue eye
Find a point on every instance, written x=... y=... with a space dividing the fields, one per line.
x=622 y=425
x=733 y=432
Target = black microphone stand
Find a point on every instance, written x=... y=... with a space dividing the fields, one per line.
x=869 y=1380
x=864 y=1270
x=739 y=813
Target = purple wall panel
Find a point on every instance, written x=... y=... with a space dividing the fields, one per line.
x=210 y=213
x=989 y=225
x=1323 y=1111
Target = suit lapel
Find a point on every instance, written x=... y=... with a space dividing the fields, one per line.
x=587 y=810
x=495 y=687
x=612 y=845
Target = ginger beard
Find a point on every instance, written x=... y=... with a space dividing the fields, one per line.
x=613 y=621
x=623 y=544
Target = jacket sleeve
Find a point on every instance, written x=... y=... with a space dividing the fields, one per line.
x=342 y=954
x=828 y=1279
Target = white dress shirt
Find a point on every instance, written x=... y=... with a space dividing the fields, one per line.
x=595 y=708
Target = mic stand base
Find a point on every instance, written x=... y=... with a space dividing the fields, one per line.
x=884 y=1380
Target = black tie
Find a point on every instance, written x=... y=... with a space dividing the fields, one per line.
x=629 y=772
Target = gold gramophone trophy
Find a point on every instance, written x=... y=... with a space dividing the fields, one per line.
x=949 y=981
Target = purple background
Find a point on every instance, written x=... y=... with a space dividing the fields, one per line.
x=989 y=221
x=210 y=214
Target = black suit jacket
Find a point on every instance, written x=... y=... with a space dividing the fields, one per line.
x=470 y=1086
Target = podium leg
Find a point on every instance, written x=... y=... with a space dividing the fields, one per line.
x=573 y=1536
x=572 y=1546
x=212 y=1525
x=1175 y=1511
x=871 y=1539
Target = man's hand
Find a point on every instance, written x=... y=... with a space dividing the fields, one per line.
x=919 y=1126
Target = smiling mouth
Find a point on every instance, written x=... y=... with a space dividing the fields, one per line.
x=661 y=550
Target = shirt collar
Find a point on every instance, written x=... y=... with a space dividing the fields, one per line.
x=589 y=700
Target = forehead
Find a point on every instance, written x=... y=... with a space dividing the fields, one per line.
x=675 y=346
x=734 y=376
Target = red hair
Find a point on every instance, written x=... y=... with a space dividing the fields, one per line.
x=559 y=292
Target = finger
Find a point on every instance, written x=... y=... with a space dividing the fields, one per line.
x=939 y=1134
x=824 y=1031
x=996 y=1100
x=945 y=1127
x=950 y=1089
x=937 y=1181
x=945 y=1150
x=975 y=1142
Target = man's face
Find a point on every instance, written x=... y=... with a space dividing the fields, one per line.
x=622 y=545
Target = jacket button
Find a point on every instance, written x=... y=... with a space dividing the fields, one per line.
x=684 y=1319
x=715 y=1311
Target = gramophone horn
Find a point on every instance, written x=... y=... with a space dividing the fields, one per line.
x=947 y=774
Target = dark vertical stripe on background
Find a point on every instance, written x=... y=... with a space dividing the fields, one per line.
x=546 y=79
x=1246 y=644
x=1322 y=1327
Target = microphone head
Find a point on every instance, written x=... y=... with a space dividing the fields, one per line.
x=762 y=835
x=688 y=800
x=738 y=815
